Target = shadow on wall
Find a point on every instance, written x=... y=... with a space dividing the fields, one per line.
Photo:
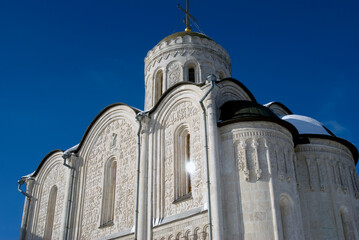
x=33 y=237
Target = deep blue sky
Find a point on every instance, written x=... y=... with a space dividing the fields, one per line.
x=62 y=62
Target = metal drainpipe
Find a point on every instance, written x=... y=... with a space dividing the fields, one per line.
x=212 y=78
x=138 y=118
x=69 y=200
x=27 y=206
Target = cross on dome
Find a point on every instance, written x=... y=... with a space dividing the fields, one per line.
x=188 y=15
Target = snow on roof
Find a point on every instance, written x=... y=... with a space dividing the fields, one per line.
x=306 y=125
x=27 y=176
x=72 y=149
x=268 y=104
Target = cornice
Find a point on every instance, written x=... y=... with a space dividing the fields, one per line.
x=316 y=148
x=186 y=50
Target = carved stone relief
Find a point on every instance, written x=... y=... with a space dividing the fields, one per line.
x=188 y=113
x=252 y=154
x=174 y=73
x=117 y=140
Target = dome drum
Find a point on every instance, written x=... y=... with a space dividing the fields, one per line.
x=183 y=57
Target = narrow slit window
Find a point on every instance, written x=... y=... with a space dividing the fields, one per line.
x=191 y=75
x=188 y=159
x=286 y=213
x=184 y=166
x=109 y=189
x=50 y=215
x=158 y=85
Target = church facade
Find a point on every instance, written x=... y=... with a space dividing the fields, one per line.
x=203 y=161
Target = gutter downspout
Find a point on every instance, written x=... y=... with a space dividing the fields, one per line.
x=212 y=79
x=139 y=117
x=69 y=154
x=27 y=206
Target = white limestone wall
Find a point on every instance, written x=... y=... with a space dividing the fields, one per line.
x=170 y=217
x=258 y=182
x=53 y=173
x=174 y=57
x=113 y=136
x=328 y=187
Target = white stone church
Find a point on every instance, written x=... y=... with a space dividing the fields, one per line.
x=204 y=161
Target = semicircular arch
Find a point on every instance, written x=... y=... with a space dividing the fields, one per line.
x=103 y=119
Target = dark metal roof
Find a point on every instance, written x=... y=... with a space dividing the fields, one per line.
x=241 y=85
x=285 y=108
x=244 y=109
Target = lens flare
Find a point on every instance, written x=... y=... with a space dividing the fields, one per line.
x=190 y=167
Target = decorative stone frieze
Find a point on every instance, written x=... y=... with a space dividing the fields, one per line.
x=195 y=227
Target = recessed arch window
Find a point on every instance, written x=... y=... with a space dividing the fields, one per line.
x=109 y=189
x=50 y=213
x=346 y=220
x=183 y=181
x=191 y=72
x=158 y=85
x=286 y=213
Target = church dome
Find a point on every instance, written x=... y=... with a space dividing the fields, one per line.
x=184 y=33
x=244 y=109
x=307 y=125
x=183 y=57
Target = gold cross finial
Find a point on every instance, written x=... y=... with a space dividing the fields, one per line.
x=188 y=15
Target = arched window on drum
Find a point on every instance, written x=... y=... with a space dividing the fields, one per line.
x=158 y=85
x=191 y=73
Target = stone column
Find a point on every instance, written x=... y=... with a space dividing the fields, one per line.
x=27 y=208
x=150 y=179
x=214 y=167
x=68 y=203
x=142 y=198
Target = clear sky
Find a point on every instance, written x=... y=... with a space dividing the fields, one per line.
x=62 y=62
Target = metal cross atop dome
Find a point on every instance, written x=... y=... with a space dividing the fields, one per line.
x=188 y=15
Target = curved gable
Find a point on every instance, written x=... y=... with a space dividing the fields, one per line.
x=112 y=136
x=107 y=114
x=177 y=127
x=175 y=89
x=50 y=173
x=232 y=89
x=45 y=159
